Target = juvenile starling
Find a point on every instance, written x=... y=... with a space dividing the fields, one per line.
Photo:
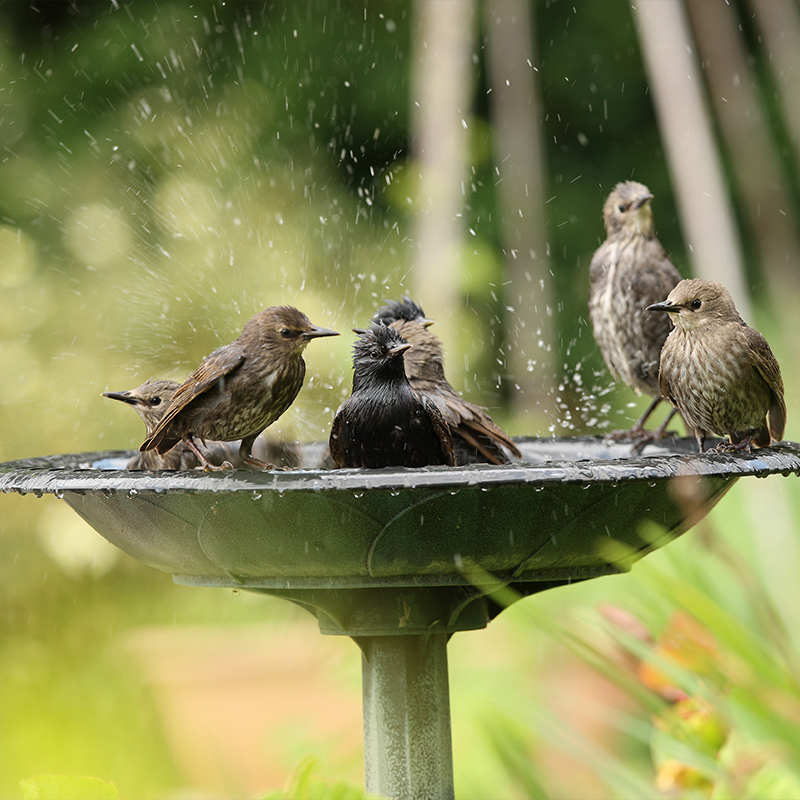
x=241 y=388
x=719 y=372
x=150 y=401
x=384 y=422
x=476 y=437
x=629 y=272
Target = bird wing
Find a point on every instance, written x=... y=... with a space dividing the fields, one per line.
x=474 y=418
x=652 y=285
x=440 y=428
x=466 y=420
x=770 y=371
x=335 y=441
x=219 y=364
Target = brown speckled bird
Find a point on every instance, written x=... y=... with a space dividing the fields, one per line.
x=241 y=388
x=476 y=437
x=150 y=401
x=384 y=422
x=629 y=272
x=719 y=372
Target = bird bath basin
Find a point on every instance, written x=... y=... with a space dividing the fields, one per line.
x=401 y=559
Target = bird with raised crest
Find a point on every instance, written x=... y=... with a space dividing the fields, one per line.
x=384 y=422
x=476 y=437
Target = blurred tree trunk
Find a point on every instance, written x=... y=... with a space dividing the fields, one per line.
x=768 y=206
x=704 y=206
x=779 y=23
x=441 y=95
x=517 y=146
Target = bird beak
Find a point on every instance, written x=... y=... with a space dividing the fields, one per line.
x=316 y=332
x=640 y=201
x=426 y=323
x=401 y=348
x=667 y=305
x=125 y=397
x=359 y=331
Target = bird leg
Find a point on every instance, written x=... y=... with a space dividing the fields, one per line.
x=646 y=437
x=201 y=457
x=637 y=431
x=245 y=453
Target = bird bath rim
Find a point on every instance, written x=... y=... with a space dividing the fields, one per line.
x=550 y=522
x=595 y=461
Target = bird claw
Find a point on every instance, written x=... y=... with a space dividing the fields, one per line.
x=225 y=465
x=730 y=447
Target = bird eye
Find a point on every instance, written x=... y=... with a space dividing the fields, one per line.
x=155 y=401
x=286 y=333
x=623 y=207
x=375 y=353
x=695 y=304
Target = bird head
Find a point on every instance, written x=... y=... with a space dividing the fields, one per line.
x=694 y=304
x=150 y=400
x=627 y=210
x=404 y=309
x=378 y=354
x=286 y=328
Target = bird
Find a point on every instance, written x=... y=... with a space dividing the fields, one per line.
x=476 y=437
x=150 y=401
x=241 y=388
x=384 y=422
x=628 y=272
x=718 y=371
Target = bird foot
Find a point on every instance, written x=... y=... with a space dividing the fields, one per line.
x=259 y=464
x=641 y=441
x=619 y=436
x=730 y=447
x=649 y=437
x=634 y=434
x=209 y=467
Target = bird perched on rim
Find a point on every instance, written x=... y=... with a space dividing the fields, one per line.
x=718 y=371
x=241 y=388
x=384 y=422
x=150 y=401
x=629 y=272
x=476 y=437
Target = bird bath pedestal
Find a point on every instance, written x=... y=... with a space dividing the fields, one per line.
x=399 y=559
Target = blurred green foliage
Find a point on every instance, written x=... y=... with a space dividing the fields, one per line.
x=166 y=170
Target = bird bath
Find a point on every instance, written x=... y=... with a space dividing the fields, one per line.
x=400 y=559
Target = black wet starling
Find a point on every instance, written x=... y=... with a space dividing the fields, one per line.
x=476 y=437
x=241 y=388
x=629 y=272
x=384 y=422
x=719 y=372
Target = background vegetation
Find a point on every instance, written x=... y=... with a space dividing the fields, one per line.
x=168 y=169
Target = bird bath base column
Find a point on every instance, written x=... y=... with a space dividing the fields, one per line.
x=407 y=745
x=403 y=633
